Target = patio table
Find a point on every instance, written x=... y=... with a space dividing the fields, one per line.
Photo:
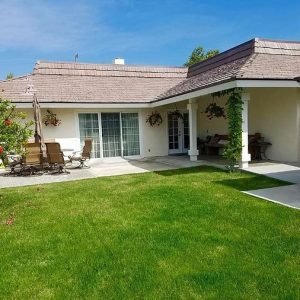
x=259 y=150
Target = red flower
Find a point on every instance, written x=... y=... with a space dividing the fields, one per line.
x=1 y=149
x=7 y=122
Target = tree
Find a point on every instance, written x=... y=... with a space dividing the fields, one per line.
x=199 y=54
x=9 y=76
x=14 y=129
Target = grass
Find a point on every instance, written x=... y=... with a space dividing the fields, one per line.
x=183 y=234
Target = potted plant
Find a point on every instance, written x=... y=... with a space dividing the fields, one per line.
x=214 y=111
x=154 y=119
x=176 y=114
x=51 y=119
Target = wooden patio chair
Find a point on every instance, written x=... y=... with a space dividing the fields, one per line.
x=30 y=163
x=55 y=157
x=83 y=156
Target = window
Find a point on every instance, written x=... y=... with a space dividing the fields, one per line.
x=119 y=132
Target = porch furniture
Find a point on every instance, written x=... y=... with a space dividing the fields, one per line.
x=258 y=150
x=215 y=143
x=30 y=163
x=256 y=145
x=83 y=156
x=201 y=144
x=55 y=157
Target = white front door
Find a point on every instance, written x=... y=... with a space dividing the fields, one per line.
x=178 y=133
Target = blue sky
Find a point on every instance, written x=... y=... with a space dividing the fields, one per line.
x=141 y=31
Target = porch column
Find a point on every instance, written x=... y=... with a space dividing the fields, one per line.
x=192 y=108
x=245 y=157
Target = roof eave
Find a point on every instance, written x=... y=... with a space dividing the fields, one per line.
x=228 y=84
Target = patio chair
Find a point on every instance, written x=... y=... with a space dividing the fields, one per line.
x=83 y=156
x=30 y=163
x=55 y=157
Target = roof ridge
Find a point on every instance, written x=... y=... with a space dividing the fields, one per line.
x=277 y=41
x=45 y=62
x=15 y=78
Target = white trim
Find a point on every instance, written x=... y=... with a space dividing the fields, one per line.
x=87 y=105
x=267 y=83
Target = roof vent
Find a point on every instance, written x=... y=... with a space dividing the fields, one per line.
x=119 y=61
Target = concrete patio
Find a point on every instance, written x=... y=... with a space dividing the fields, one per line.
x=106 y=167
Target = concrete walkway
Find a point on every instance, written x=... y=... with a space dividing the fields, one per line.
x=106 y=167
x=285 y=195
x=281 y=171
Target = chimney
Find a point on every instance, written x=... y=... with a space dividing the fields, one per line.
x=119 y=61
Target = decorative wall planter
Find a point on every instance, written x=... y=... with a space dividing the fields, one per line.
x=176 y=114
x=214 y=111
x=51 y=119
x=155 y=119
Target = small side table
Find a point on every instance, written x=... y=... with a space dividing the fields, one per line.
x=263 y=147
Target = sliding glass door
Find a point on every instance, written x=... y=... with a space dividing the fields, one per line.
x=130 y=134
x=89 y=128
x=113 y=134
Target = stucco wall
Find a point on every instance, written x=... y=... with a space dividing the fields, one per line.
x=213 y=126
x=153 y=141
x=274 y=112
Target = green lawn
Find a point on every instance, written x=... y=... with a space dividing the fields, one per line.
x=184 y=234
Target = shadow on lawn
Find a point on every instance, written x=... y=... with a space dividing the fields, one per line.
x=251 y=183
x=188 y=170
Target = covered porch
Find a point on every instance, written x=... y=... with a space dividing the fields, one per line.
x=262 y=112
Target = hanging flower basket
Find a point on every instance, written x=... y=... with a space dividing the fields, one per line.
x=51 y=119
x=176 y=114
x=154 y=119
x=214 y=111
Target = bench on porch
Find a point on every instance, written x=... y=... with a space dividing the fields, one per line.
x=213 y=145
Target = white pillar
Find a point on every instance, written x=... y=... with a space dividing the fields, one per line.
x=245 y=156
x=193 y=151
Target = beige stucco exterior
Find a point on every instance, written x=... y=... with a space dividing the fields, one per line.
x=274 y=112
x=153 y=141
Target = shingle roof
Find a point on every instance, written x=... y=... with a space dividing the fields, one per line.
x=99 y=83
x=255 y=59
x=93 y=83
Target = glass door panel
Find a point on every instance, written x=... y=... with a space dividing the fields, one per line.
x=174 y=134
x=186 y=133
x=89 y=128
x=130 y=134
x=178 y=133
x=111 y=134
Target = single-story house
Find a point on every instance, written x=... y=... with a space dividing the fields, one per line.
x=111 y=102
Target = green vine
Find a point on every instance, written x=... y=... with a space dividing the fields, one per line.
x=234 y=105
